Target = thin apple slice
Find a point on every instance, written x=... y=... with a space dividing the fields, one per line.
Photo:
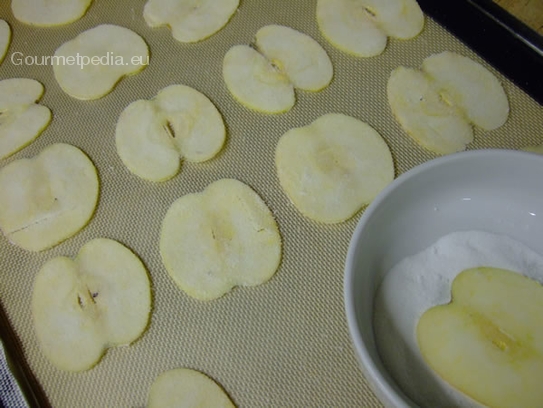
x=300 y=57
x=348 y=26
x=84 y=306
x=90 y=65
x=424 y=115
x=21 y=119
x=222 y=237
x=151 y=136
x=5 y=39
x=361 y=27
x=186 y=388
x=255 y=82
x=264 y=79
x=332 y=167
x=47 y=13
x=47 y=199
x=438 y=105
x=469 y=86
x=488 y=342
x=190 y=20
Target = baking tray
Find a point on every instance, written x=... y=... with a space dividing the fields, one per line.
x=284 y=343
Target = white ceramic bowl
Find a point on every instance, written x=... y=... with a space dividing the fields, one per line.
x=498 y=191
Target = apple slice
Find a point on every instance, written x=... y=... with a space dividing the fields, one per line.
x=152 y=135
x=90 y=65
x=332 y=167
x=488 y=342
x=190 y=20
x=222 y=237
x=297 y=55
x=255 y=82
x=21 y=119
x=186 y=388
x=534 y=149
x=264 y=78
x=438 y=105
x=47 y=199
x=361 y=27
x=469 y=86
x=84 y=306
x=424 y=115
x=5 y=39
x=47 y=13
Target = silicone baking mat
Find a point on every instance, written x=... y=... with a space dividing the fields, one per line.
x=284 y=343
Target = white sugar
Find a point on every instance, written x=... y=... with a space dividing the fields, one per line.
x=424 y=280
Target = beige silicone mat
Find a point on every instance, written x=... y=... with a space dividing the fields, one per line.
x=282 y=344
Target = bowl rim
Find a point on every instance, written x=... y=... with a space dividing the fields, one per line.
x=374 y=376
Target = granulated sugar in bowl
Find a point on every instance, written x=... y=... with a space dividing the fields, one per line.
x=477 y=208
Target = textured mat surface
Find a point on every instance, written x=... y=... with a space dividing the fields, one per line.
x=284 y=343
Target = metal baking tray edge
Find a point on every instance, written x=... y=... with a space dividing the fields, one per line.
x=504 y=41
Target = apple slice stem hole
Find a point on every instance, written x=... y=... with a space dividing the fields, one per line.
x=277 y=65
x=89 y=294
x=168 y=127
x=370 y=12
x=445 y=98
x=274 y=62
x=92 y=295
